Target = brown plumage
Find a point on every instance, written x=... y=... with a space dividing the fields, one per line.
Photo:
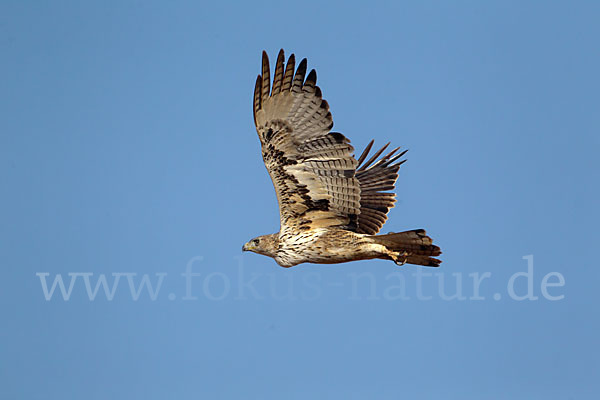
x=331 y=205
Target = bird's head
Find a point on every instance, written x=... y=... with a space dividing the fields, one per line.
x=265 y=245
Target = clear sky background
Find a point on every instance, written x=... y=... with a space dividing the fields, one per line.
x=127 y=145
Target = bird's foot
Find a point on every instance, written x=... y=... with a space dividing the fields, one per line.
x=400 y=258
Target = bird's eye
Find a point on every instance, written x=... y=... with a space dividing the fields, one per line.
x=255 y=241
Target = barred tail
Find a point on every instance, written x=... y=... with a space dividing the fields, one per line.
x=418 y=246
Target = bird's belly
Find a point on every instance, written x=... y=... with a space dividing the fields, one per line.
x=329 y=247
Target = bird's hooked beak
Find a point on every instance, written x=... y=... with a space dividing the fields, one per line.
x=247 y=247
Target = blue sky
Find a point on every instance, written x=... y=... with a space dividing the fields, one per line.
x=127 y=148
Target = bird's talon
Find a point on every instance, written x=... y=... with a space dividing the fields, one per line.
x=404 y=256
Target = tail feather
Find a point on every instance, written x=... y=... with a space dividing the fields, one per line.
x=418 y=246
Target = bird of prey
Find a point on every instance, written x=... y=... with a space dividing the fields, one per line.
x=331 y=205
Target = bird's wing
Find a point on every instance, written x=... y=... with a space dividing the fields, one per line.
x=312 y=169
x=376 y=177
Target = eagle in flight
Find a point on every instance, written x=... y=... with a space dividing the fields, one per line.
x=331 y=205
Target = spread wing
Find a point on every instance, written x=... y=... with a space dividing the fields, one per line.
x=312 y=169
x=376 y=178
